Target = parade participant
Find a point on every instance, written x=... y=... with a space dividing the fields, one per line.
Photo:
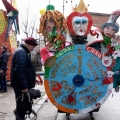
x=82 y=32
x=3 y=68
x=23 y=75
x=54 y=28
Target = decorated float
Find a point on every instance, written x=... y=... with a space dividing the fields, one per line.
x=7 y=34
x=77 y=75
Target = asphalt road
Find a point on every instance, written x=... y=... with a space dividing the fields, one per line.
x=110 y=110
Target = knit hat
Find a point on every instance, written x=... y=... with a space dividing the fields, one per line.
x=31 y=41
x=112 y=22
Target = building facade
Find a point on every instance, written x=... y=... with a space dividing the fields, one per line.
x=99 y=18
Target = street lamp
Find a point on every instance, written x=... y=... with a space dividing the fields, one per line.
x=64 y=5
x=49 y=2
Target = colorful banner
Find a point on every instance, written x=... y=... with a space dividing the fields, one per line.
x=11 y=40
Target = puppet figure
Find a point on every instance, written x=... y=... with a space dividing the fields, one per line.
x=109 y=29
x=81 y=30
x=53 y=27
x=80 y=26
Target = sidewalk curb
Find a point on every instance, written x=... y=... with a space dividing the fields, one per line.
x=36 y=107
x=39 y=103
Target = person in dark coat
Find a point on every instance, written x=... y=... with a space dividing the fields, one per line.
x=23 y=75
x=3 y=68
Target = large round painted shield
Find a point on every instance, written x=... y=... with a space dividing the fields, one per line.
x=74 y=79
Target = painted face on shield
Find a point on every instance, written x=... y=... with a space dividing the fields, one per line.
x=49 y=24
x=109 y=31
x=80 y=25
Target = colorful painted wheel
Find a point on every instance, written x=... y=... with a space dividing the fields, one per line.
x=75 y=83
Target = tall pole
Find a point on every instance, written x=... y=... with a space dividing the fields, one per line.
x=49 y=2
x=63 y=7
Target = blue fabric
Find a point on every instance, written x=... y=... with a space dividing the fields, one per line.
x=3 y=60
x=3 y=66
x=3 y=83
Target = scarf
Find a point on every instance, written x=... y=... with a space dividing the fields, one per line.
x=106 y=41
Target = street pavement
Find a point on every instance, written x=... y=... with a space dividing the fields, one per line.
x=110 y=110
x=7 y=102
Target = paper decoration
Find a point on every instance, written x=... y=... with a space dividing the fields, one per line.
x=74 y=83
x=42 y=11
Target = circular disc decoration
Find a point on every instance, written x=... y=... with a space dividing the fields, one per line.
x=50 y=61
x=107 y=61
x=74 y=84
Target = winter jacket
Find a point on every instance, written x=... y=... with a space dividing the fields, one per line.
x=22 y=70
x=4 y=60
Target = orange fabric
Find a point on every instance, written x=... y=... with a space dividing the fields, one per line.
x=62 y=108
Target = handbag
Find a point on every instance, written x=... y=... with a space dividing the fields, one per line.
x=24 y=106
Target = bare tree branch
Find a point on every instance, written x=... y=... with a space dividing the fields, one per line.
x=28 y=20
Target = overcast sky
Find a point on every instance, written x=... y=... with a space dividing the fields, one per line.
x=100 y=6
